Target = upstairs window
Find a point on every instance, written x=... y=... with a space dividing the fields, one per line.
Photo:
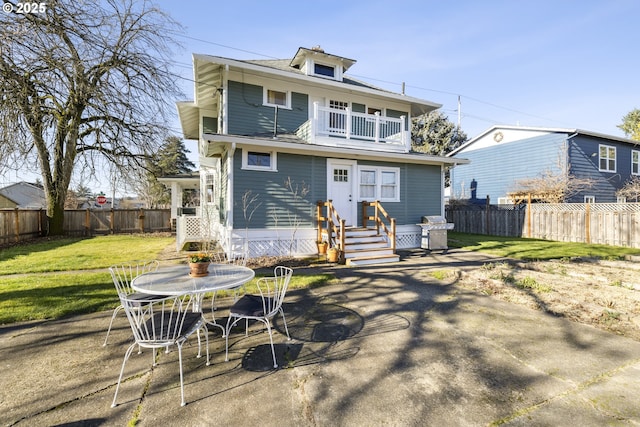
x=276 y=98
x=607 y=158
x=324 y=70
x=259 y=160
x=635 y=161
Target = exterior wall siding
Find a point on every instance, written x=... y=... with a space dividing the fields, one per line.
x=247 y=115
x=275 y=207
x=420 y=193
x=494 y=170
x=420 y=188
x=584 y=159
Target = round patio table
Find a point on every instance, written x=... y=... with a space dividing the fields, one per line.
x=175 y=280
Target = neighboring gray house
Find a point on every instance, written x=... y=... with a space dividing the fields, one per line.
x=277 y=136
x=22 y=195
x=503 y=155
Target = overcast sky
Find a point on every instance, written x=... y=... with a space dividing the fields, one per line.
x=557 y=63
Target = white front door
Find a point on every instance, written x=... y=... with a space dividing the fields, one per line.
x=341 y=188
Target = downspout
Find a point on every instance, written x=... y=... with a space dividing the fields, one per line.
x=230 y=180
x=567 y=162
x=442 y=188
x=566 y=158
x=275 y=122
x=225 y=98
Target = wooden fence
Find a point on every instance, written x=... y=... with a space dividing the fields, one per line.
x=615 y=224
x=23 y=224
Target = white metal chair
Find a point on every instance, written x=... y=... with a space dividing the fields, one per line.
x=160 y=324
x=262 y=307
x=122 y=275
x=235 y=258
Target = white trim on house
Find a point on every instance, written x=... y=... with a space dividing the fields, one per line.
x=509 y=134
x=341 y=200
x=252 y=68
x=273 y=160
x=280 y=144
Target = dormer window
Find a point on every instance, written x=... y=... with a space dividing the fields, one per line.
x=316 y=62
x=324 y=70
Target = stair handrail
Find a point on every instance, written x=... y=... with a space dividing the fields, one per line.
x=379 y=214
x=335 y=226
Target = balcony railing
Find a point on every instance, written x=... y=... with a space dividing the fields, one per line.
x=356 y=129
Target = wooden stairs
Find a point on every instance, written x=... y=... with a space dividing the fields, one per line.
x=365 y=246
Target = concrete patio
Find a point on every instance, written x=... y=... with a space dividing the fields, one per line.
x=385 y=346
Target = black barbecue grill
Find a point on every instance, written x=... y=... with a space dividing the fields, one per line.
x=434 y=233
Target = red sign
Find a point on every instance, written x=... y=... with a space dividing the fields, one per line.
x=101 y=200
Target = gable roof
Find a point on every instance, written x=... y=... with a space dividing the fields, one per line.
x=25 y=195
x=283 y=68
x=570 y=131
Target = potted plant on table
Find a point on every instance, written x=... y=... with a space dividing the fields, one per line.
x=199 y=264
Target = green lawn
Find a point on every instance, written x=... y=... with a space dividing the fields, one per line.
x=63 y=277
x=535 y=249
x=70 y=254
x=68 y=276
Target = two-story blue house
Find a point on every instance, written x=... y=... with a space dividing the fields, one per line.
x=504 y=155
x=293 y=151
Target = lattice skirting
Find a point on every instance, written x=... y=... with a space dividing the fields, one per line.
x=282 y=242
x=304 y=246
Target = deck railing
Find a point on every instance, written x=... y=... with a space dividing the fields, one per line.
x=350 y=125
x=330 y=225
x=378 y=218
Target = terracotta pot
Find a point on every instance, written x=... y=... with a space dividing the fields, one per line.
x=322 y=248
x=199 y=269
x=332 y=255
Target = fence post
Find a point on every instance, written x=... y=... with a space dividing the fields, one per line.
x=141 y=220
x=87 y=223
x=16 y=219
x=529 y=216
x=587 y=223
x=487 y=215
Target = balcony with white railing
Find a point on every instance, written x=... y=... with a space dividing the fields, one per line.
x=346 y=128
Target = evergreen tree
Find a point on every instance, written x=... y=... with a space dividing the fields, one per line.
x=433 y=133
x=631 y=124
x=171 y=159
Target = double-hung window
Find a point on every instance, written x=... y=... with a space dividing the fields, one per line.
x=635 y=162
x=379 y=183
x=210 y=188
x=607 y=158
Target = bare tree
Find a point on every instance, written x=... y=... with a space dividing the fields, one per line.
x=631 y=189
x=83 y=81
x=551 y=187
